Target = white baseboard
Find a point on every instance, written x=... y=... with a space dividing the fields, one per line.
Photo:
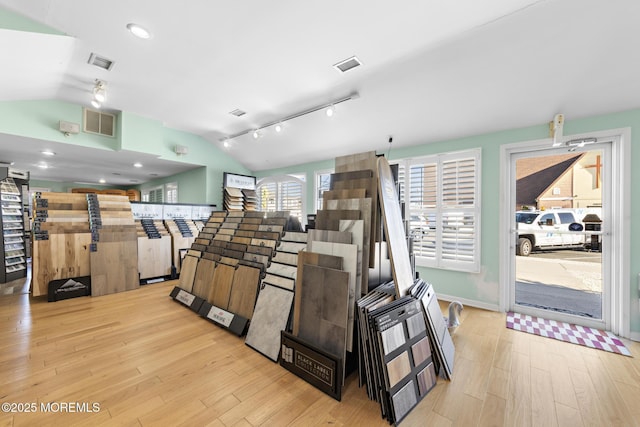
x=634 y=336
x=468 y=302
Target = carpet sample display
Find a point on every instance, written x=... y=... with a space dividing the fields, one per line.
x=567 y=332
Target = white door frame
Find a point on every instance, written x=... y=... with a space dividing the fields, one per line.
x=620 y=288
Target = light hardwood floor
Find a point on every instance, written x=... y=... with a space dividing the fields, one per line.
x=147 y=360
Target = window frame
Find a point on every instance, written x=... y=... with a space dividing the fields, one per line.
x=278 y=181
x=317 y=190
x=441 y=233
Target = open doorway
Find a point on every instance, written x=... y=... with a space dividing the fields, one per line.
x=613 y=236
x=558 y=218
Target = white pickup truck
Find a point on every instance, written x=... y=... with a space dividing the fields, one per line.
x=547 y=229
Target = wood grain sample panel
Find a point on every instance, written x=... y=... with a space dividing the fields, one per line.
x=63 y=256
x=310 y=258
x=114 y=265
x=178 y=242
x=286 y=258
x=269 y=318
x=203 y=277
x=349 y=253
x=366 y=214
x=222 y=283
x=356 y=193
x=244 y=291
x=187 y=275
x=356 y=162
x=291 y=247
x=154 y=257
x=279 y=281
x=394 y=230
x=356 y=229
x=295 y=236
x=324 y=308
x=330 y=235
x=327 y=219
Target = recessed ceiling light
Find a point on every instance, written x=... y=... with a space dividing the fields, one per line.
x=330 y=110
x=137 y=165
x=138 y=31
x=226 y=143
x=102 y=181
x=256 y=134
x=278 y=128
x=48 y=153
x=43 y=166
x=237 y=112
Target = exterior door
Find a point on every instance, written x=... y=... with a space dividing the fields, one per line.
x=566 y=276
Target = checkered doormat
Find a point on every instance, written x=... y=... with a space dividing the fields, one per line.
x=589 y=337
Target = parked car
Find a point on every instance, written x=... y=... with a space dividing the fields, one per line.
x=548 y=229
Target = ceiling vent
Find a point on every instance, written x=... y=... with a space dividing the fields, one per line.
x=347 y=64
x=100 y=61
x=99 y=122
x=237 y=112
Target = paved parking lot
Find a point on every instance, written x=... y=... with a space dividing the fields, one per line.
x=563 y=280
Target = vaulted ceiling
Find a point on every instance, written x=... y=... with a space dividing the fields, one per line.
x=431 y=70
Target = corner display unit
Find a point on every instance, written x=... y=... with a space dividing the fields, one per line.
x=13 y=252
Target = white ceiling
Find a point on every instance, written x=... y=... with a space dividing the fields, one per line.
x=432 y=70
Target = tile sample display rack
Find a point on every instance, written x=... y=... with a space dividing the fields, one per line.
x=14 y=250
x=154 y=250
x=239 y=192
x=225 y=265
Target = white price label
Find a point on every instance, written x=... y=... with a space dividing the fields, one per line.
x=218 y=315
x=185 y=297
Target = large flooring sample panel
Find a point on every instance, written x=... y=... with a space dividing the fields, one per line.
x=114 y=255
x=61 y=239
x=62 y=256
x=368 y=257
x=270 y=317
x=324 y=309
x=222 y=283
x=329 y=219
x=188 y=274
x=309 y=258
x=154 y=256
x=244 y=291
x=349 y=254
x=203 y=277
x=394 y=230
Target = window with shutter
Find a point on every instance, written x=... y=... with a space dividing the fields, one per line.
x=284 y=193
x=444 y=210
x=323 y=183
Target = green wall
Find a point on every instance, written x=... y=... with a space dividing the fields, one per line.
x=39 y=120
x=484 y=287
x=14 y=21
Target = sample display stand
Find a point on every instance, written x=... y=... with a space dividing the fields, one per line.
x=154 y=251
x=13 y=252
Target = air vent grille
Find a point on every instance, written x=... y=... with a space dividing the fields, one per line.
x=99 y=122
x=347 y=64
x=100 y=61
x=238 y=112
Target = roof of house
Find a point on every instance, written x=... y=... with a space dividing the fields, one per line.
x=535 y=175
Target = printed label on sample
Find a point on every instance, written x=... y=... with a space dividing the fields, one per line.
x=185 y=297
x=218 y=315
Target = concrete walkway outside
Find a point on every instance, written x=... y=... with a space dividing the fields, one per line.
x=565 y=286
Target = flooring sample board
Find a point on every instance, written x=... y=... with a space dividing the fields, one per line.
x=365 y=206
x=225 y=231
x=281 y=282
x=282 y=270
x=240 y=239
x=286 y=258
x=349 y=253
x=62 y=256
x=357 y=193
x=179 y=242
x=260 y=250
x=203 y=277
x=356 y=162
x=250 y=226
x=394 y=230
x=188 y=273
x=273 y=235
x=222 y=282
x=355 y=227
x=271 y=228
x=329 y=235
x=114 y=265
x=264 y=242
x=311 y=258
x=244 y=291
x=324 y=309
x=211 y=256
x=295 y=236
x=291 y=247
x=270 y=316
x=329 y=219
x=264 y=260
x=244 y=233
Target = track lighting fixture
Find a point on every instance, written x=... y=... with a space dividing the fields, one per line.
x=99 y=93
x=279 y=124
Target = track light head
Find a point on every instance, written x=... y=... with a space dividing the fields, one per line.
x=330 y=110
